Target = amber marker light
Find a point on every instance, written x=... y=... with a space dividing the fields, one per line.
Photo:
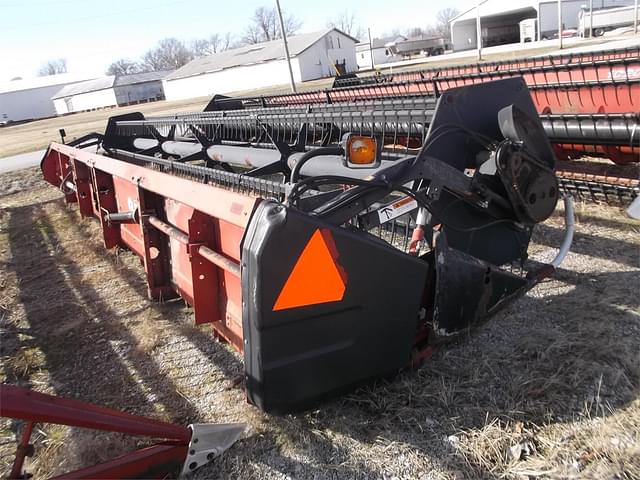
x=360 y=151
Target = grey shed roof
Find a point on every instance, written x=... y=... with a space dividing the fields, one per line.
x=250 y=54
x=140 y=77
x=109 y=82
x=85 y=87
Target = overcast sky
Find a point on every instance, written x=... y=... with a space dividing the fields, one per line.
x=91 y=33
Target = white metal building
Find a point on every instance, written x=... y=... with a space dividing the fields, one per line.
x=378 y=50
x=500 y=25
x=313 y=55
x=31 y=98
x=109 y=91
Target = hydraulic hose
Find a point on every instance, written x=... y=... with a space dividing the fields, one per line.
x=295 y=171
x=570 y=225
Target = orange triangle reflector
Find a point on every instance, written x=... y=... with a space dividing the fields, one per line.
x=316 y=277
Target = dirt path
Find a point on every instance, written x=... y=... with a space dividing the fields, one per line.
x=549 y=388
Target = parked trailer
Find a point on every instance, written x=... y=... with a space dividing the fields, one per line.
x=605 y=20
x=427 y=46
x=548 y=14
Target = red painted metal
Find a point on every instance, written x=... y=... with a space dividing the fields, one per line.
x=551 y=95
x=153 y=462
x=594 y=82
x=520 y=63
x=32 y=406
x=217 y=259
x=602 y=97
x=188 y=234
x=542 y=74
x=586 y=83
x=24 y=450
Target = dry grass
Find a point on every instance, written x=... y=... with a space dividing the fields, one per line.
x=547 y=389
x=25 y=362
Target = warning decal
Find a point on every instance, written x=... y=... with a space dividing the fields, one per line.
x=316 y=277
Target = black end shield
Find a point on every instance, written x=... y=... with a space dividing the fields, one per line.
x=324 y=308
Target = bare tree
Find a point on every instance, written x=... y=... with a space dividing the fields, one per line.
x=266 y=23
x=228 y=42
x=415 y=32
x=170 y=54
x=251 y=35
x=428 y=31
x=396 y=32
x=443 y=17
x=265 y=26
x=124 y=66
x=53 y=67
x=441 y=28
x=214 y=44
x=346 y=22
x=200 y=47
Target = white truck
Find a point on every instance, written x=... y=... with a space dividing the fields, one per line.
x=605 y=20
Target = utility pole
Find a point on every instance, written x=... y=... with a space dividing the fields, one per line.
x=478 y=31
x=371 y=49
x=560 y=22
x=591 y=18
x=635 y=23
x=286 y=47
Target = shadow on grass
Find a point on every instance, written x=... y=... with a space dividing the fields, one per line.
x=619 y=251
x=282 y=430
x=539 y=361
x=88 y=354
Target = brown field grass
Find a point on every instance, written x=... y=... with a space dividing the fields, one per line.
x=549 y=388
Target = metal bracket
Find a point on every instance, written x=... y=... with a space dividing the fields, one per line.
x=209 y=441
